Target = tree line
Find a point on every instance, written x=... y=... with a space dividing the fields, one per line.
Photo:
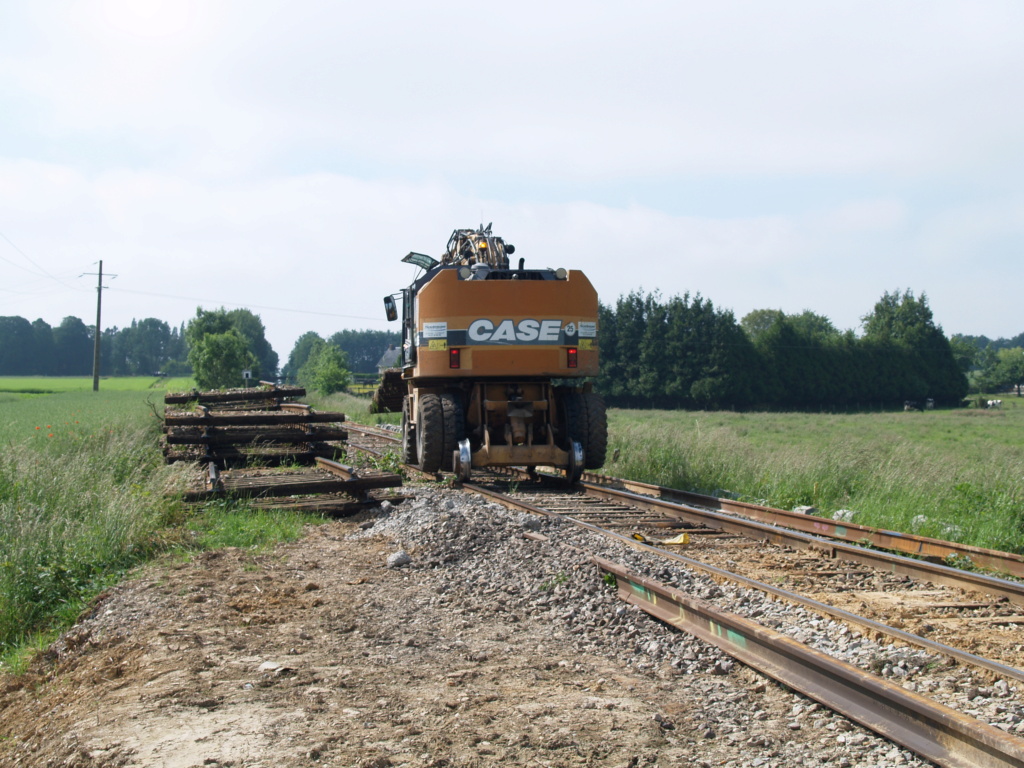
x=39 y=349
x=218 y=344
x=683 y=352
x=680 y=352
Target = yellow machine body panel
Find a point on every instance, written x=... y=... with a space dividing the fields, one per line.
x=505 y=328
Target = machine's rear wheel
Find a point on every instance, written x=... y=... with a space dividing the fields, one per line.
x=430 y=433
x=596 y=444
x=408 y=434
x=454 y=428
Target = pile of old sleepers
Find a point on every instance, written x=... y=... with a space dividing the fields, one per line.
x=242 y=427
x=258 y=444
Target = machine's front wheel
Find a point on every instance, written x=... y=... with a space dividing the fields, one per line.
x=454 y=428
x=430 y=433
x=408 y=434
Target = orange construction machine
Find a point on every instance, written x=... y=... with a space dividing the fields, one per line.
x=495 y=362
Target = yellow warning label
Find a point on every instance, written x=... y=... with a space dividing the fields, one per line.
x=586 y=343
x=437 y=344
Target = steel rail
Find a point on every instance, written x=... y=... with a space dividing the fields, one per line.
x=883 y=561
x=823 y=609
x=930 y=729
x=911 y=544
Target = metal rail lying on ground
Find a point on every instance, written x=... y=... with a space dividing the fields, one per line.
x=920 y=724
x=911 y=544
x=883 y=561
x=930 y=729
x=1002 y=670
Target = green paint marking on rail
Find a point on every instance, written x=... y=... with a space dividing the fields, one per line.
x=728 y=635
x=643 y=592
x=736 y=638
x=841 y=531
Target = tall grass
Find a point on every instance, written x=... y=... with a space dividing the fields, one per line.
x=80 y=501
x=908 y=478
x=84 y=497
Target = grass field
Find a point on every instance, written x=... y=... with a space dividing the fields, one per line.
x=49 y=385
x=947 y=473
x=83 y=498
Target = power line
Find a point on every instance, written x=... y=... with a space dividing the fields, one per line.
x=246 y=306
x=41 y=270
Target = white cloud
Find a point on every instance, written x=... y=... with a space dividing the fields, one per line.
x=287 y=155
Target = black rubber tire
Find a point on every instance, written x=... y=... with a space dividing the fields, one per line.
x=430 y=433
x=454 y=429
x=408 y=434
x=573 y=419
x=595 y=449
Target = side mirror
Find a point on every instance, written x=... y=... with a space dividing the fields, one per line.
x=389 y=308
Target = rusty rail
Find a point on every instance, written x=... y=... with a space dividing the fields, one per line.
x=930 y=729
x=911 y=544
x=824 y=609
x=883 y=561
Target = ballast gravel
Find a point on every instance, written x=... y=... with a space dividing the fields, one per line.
x=490 y=567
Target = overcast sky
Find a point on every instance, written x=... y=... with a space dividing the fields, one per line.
x=285 y=156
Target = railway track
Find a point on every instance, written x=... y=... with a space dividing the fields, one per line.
x=964 y=616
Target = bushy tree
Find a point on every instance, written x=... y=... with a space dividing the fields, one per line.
x=299 y=355
x=1006 y=371
x=325 y=370
x=218 y=359
x=757 y=322
x=252 y=330
x=217 y=323
x=911 y=355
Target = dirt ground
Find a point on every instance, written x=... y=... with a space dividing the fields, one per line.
x=317 y=653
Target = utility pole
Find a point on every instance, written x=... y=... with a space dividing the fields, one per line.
x=96 y=339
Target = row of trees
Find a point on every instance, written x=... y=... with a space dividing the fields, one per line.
x=216 y=345
x=684 y=352
x=38 y=349
x=326 y=364
x=362 y=349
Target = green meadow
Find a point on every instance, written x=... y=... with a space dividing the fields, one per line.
x=48 y=385
x=956 y=474
x=85 y=496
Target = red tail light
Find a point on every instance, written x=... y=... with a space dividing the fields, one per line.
x=572 y=357
x=454 y=358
